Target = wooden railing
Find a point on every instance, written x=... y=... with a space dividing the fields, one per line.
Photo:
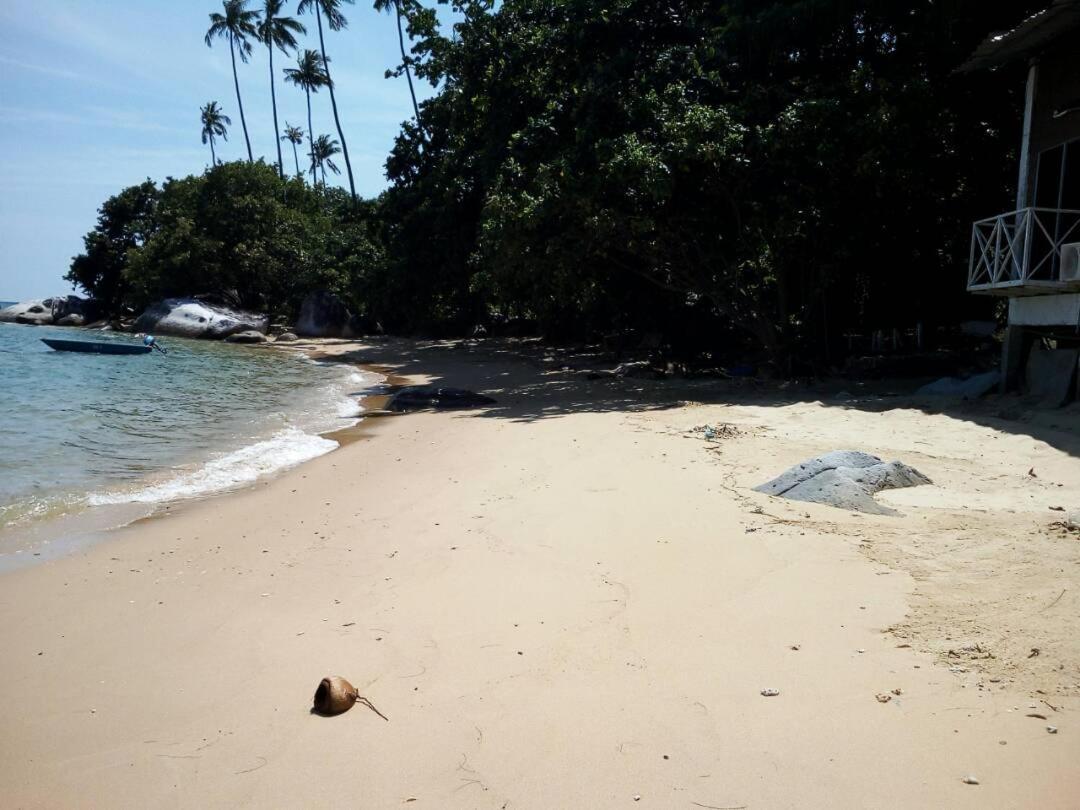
x=1021 y=249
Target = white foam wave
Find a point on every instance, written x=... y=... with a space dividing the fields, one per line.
x=285 y=449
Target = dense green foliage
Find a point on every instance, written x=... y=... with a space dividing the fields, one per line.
x=237 y=231
x=733 y=176
x=790 y=170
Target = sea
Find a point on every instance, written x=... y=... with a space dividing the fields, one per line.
x=90 y=442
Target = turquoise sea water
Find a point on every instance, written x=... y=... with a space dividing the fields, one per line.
x=85 y=431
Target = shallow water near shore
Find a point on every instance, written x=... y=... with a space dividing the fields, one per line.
x=109 y=437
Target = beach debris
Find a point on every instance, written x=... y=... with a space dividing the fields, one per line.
x=883 y=698
x=419 y=397
x=1070 y=525
x=1034 y=652
x=796 y=647
x=1051 y=729
x=713 y=433
x=1031 y=473
x=770 y=692
x=970 y=780
x=847 y=479
x=335 y=695
x=1036 y=715
x=637 y=797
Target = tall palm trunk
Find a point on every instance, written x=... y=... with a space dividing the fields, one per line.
x=273 y=102
x=333 y=104
x=408 y=73
x=239 y=103
x=310 y=136
x=213 y=157
x=296 y=158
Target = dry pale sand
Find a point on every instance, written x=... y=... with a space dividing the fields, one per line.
x=570 y=601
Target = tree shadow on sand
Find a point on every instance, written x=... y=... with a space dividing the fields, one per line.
x=531 y=381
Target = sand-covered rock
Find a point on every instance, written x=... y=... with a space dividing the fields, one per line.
x=418 y=397
x=846 y=479
x=189 y=317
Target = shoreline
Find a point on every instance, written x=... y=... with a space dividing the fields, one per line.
x=41 y=539
x=567 y=599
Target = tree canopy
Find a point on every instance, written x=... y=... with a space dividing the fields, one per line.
x=734 y=176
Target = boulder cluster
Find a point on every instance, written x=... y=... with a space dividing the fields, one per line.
x=322 y=314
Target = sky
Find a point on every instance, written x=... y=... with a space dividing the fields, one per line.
x=96 y=95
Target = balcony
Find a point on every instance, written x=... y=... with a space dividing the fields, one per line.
x=1020 y=253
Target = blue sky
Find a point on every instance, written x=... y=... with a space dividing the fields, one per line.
x=96 y=95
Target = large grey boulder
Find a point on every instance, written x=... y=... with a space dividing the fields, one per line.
x=62 y=310
x=323 y=314
x=189 y=317
x=846 y=479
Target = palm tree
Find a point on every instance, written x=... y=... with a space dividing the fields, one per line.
x=214 y=123
x=280 y=32
x=295 y=136
x=386 y=5
x=310 y=74
x=235 y=25
x=322 y=150
x=336 y=20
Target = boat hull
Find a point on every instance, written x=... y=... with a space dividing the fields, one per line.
x=93 y=347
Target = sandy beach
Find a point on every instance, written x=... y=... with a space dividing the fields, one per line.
x=572 y=599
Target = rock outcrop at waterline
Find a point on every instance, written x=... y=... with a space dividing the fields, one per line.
x=60 y=310
x=191 y=318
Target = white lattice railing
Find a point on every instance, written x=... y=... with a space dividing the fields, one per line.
x=1020 y=247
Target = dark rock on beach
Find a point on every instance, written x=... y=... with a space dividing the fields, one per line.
x=250 y=336
x=846 y=479
x=286 y=337
x=323 y=314
x=189 y=317
x=419 y=397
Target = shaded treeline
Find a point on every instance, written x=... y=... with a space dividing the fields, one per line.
x=765 y=174
x=743 y=177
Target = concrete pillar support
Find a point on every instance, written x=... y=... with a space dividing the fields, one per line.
x=1012 y=357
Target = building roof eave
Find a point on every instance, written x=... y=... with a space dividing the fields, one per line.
x=1027 y=38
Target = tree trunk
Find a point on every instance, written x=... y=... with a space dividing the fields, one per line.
x=408 y=73
x=333 y=105
x=213 y=157
x=295 y=158
x=310 y=136
x=239 y=103
x=273 y=102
